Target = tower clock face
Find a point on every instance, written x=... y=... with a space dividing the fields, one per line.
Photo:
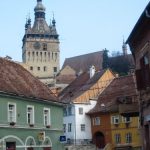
x=37 y=45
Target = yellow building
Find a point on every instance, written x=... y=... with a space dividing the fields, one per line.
x=122 y=132
x=125 y=132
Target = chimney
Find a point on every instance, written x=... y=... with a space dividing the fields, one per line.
x=117 y=75
x=92 y=71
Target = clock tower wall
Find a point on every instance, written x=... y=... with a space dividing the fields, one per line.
x=40 y=50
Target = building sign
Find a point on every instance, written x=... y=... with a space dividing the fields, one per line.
x=62 y=139
x=41 y=136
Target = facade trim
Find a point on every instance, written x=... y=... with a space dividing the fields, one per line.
x=29 y=128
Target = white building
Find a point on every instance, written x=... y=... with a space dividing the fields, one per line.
x=81 y=95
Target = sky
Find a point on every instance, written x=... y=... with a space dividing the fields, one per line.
x=84 y=26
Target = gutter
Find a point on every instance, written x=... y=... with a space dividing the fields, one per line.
x=33 y=99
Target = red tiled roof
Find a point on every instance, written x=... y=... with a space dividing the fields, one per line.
x=80 y=85
x=121 y=86
x=83 y=62
x=65 y=79
x=14 y=79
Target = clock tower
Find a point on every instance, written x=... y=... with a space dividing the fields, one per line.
x=40 y=49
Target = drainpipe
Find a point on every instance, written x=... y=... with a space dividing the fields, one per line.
x=75 y=125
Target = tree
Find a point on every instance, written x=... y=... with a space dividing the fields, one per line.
x=105 y=59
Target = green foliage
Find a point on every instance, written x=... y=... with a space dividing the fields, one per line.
x=120 y=64
x=105 y=59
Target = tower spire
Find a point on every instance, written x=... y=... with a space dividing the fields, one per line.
x=124 y=47
x=53 y=21
x=39 y=10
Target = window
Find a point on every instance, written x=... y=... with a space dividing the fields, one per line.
x=82 y=127
x=55 y=69
x=45 y=68
x=30 y=115
x=55 y=55
x=64 y=126
x=69 y=110
x=96 y=121
x=38 y=68
x=11 y=112
x=145 y=60
x=126 y=119
x=128 y=138
x=65 y=111
x=31 y=68
x=80 y=110
x=115 y=119
x=143 y=74
x=117 y=138
x=46 y=116
x=44 y=46
x=69 y=127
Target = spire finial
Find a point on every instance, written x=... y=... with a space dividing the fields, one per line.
x=124 y=47
x=53 y=21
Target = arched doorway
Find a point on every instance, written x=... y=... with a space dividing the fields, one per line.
x=99 y=140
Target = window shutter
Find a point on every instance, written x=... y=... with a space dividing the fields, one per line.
x=146 y=74
x=139 y=80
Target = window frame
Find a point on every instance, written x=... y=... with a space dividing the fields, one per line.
x=13 y=111
x=55 y=69
x=69 y=127
x=114 y=118
x=48 y=117
x=82 y=127
x=96 y=122
x=125 y=120
x=69 y=112
x=64 y=128
x=80 y=110
x=128 y=137
x=117 y=138
x=32 y=119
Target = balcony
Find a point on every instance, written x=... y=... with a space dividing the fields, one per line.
x=129 y=110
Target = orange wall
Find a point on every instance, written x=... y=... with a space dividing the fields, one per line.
x=104 y=127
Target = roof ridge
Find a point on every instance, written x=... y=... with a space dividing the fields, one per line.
x=84 y=54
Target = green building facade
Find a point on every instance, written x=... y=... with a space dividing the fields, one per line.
x=16 y=131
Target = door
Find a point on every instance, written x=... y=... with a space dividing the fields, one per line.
x=99 y=140
x=47 y=148
x=30 y=148
x=10 y=145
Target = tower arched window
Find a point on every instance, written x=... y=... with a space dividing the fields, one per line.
x=55 y=56
x=49 y=55
x=45 y=56
x=45 y=68
x=28 y=55
x=41 y=55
